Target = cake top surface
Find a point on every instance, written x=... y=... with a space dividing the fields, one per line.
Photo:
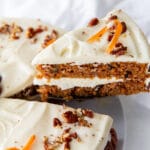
x=51 y=125
x=113 y=38
x=21 y=40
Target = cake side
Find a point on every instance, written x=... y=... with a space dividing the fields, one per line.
x=55 y=127
x=100 y=90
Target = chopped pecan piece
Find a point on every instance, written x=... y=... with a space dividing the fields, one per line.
x=12 y=29
x=70 y=117
x=84 y=123
x=119 y=50
x=88 y=113
x=110 y=36
x=93 y=22
x=31 y=32
x=113 y=17
x=124 y=27
x=50 y=38
x=50 y=146
x=56 y=122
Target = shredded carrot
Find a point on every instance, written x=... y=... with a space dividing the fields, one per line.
x=115 y=37
x=29 y=143
x=98 y=35
x=27 y=146
x=50 y=42
x=12 y=148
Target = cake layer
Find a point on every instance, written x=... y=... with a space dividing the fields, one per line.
x=117 y=88
x=43 y=126
x=120 y=70
x=21 y=40
x=67 y=83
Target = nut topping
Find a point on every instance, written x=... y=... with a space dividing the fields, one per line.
x=113 y=17
x=88 y=113
x=119 y=50
x=50 y=38
x=56 y=122
x=70 y=117
x=12 y=30
x=93 y=22
x=31 y=32
x=124 y=27
x=65 y=139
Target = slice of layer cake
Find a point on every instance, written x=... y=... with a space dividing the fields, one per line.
x=110 y=56
x=20 y=41
x=42 y=126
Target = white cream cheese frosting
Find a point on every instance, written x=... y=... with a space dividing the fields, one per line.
x=21 y=119
x=67 y=83
x=16 y=55
x=74 y=48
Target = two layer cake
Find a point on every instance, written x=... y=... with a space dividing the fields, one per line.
x=110 y=56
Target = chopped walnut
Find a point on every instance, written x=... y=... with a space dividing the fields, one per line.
x=12 y=30
x=93 y=22
x=32 y=32
x=50 y=38
x=57 y=122
x=70 y=117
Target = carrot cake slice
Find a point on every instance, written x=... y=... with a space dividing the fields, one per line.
x=44 y=126
x=20 y=41
x=110 y=56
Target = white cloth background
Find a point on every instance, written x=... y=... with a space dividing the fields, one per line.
x=71 y=14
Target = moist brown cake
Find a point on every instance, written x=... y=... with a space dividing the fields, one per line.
x=109 y=57
x=110 y=89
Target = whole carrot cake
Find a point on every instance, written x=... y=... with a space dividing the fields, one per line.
x=110 y=56
x=54 y=128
